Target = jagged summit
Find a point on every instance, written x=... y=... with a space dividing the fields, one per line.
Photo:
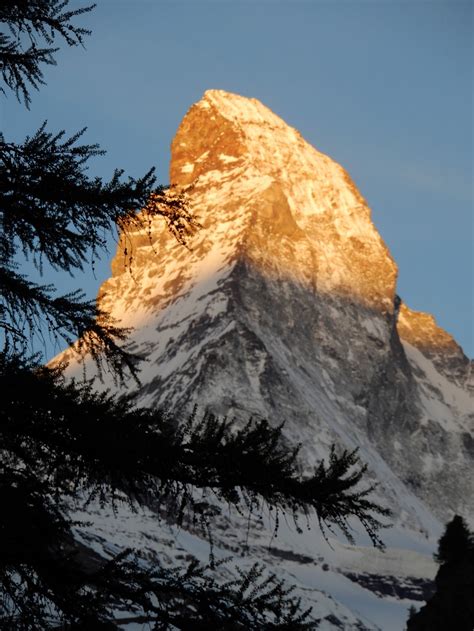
x=240 y=109
x=236 y=150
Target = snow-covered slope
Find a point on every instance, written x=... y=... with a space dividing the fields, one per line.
x=284 y=306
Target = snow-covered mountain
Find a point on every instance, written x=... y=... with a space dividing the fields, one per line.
x=284 y=306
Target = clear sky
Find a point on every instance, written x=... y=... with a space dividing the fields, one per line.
x=384 y=87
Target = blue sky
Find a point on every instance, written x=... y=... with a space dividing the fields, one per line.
x=383 y=87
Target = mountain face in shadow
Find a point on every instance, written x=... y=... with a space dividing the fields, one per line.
x=284 y=306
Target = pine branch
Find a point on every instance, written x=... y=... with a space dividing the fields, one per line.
x=30 y=22
x=26 y=308
x=50 y=210
x=110 y=447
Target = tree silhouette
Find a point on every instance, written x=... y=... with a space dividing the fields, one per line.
x=62 y=442
x=456 y=541
x=452 y=605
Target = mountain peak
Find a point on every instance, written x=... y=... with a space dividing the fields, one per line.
x=235 y=148
x=239 y=108
x=223 y=129
x=284 y=307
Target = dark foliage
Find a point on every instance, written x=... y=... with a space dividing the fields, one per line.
x=452 y=606
x=88 y=591
x=33 y=26
x=63 y=445
x=52 y=211
x=106 y=446
x=456 y=541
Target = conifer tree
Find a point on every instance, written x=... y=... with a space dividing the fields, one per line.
x=452 y=605
x=61 y=441
x=456 y=541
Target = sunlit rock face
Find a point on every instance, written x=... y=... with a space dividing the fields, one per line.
x=421 y=331
x=301 y=215
x=284 y=306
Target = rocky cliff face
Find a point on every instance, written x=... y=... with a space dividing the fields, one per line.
x=285 y=306
x=421 y=331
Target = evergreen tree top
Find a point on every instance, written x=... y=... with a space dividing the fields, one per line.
x=456 y=543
